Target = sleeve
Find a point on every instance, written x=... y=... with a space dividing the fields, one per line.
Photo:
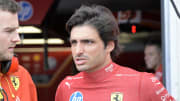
x=33 y=91
x=29 y=86
x=60 y=92
x=153 y=90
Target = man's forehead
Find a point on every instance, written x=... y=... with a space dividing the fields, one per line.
x=152 y=48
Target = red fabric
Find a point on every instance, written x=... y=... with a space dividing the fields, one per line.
x=26 y=91
x=14 y=65
x=128 y=84
x=40 y=9
x=159 y=73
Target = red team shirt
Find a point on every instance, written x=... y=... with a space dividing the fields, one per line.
x=112 y=83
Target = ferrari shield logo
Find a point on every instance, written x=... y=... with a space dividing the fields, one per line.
x=116 y=96
x=15 y=82
x=1 y=96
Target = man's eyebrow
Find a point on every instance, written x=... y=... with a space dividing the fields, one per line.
x=72 y=40
x=85 y=39
x=10 y=28
x=81 y=39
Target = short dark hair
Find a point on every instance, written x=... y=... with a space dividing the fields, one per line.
x=9 y=5
x=102 y=19
x=154 y=42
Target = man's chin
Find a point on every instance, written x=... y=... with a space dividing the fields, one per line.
x=8 y=56
x=81 y=68
x=150 y=67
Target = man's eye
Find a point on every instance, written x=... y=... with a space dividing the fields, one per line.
x=88 y=41
x=73 y=42
x=10 y=31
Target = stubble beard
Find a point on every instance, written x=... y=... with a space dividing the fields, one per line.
x=6 y=56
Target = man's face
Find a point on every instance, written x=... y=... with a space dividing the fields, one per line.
x=88 y=50
x=152 y=56
x=8 y=34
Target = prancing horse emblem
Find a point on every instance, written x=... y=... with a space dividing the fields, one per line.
x=116 y=96
x=15 y=82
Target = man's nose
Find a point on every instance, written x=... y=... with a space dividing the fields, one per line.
x=79 y=49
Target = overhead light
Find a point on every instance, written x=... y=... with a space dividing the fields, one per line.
x=29 y=29
x=55 y=41
x=41 y=41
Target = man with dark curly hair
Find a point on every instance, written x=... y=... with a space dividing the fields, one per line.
x=94 y=42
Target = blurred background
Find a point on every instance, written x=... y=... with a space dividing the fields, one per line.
x=44 y=49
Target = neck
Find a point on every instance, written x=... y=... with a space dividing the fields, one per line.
x=156 y=68
x=106 y=62
x=101 y=74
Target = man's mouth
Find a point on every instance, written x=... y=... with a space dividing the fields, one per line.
x=80 y=61
x=11 y=48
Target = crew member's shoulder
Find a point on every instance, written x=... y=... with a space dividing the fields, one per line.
x=22 y=69
x=23 y=74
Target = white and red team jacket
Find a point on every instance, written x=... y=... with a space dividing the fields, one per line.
x=112 y=83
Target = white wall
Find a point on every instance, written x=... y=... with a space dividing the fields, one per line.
x=171 y=46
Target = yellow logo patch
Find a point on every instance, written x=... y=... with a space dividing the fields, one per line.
x=1 y=96
x=116 y=96
x=15 y=82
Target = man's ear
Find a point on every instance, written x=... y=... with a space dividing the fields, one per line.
x=110 y=46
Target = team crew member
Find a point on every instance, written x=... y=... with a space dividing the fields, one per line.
x=15 y=82
x=153 y=57
x=93 y=36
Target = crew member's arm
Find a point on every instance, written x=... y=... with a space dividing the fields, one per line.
x=30 y=86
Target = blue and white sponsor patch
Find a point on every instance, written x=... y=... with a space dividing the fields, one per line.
x=76 y=96
x=26 y=11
